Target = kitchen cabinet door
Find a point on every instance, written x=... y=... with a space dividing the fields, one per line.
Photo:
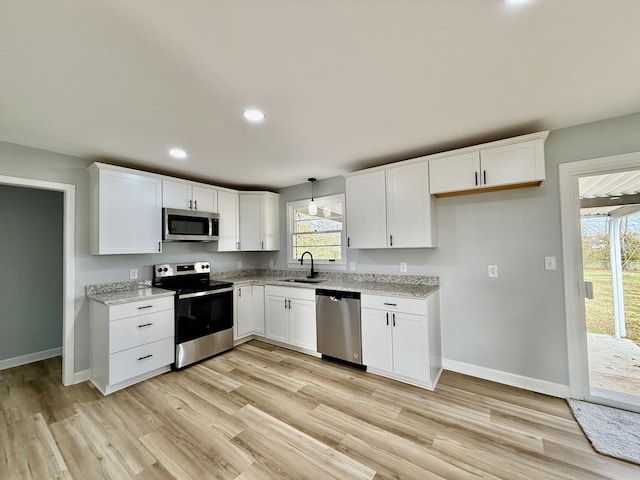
x=204 y=199
x=228 y=224
x=410 y=215
x=454 y=173
x=376 y=339
x=277 y=318
x=243 y=312
x=366 y=210
x=126 y=209
x=513 y=164
x=410 y=346
x=271 y=224
x=176 y=195
x=251 y=225
x=257 y=297
x=302 y=318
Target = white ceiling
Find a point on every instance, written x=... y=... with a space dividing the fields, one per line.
x=345 y=83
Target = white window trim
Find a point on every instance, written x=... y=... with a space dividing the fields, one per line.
x=326 y=264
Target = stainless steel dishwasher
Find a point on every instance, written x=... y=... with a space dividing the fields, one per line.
x=338 y=325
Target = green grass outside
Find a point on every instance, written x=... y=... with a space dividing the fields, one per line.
x=599 y=311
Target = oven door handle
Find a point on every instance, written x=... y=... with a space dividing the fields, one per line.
x=202 y=294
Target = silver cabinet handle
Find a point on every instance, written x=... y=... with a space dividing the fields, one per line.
x=239 y=292
x=391 y=304
x=391 y=240
x=195 y=204
x=387 y=319
x=393 y=315
x=237 y=245
x=285 y=303
x=145 y=357
x=261 y=245
x=484 y=174
x=146 y=306
x=476 y=175
x=145 y=325
x=190 y=204
x=289 y=304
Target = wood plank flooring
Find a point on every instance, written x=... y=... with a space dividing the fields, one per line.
x=262 y=412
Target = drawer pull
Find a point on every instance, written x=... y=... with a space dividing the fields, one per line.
x=391 y=304
x=146 y=306
x=146 y=356
x=145 y=325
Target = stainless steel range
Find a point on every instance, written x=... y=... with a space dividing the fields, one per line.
x=204 y=310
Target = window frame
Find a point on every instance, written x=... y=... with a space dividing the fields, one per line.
x=296 y=204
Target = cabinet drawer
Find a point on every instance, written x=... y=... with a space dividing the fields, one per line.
x=300 y=293
x=395 y=304
x=134 y=331
x=136 y=361
x=140 y=308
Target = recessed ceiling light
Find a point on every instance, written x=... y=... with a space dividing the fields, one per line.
x=516 y=2
x=254 y=115
x=178 y=153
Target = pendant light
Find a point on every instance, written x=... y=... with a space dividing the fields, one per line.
x=313 y=207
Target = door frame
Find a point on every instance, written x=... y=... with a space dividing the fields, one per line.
x=68 y=265
x=573 y=269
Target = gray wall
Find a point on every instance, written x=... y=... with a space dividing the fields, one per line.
x=514 y=323
x=31 y=259
x=19 y=161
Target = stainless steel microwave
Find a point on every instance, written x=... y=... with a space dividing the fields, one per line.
x=189 y=225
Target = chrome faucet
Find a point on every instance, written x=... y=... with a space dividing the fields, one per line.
x=312 y=274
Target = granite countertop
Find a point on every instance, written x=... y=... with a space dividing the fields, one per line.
x=125 y=292
x=394 y=285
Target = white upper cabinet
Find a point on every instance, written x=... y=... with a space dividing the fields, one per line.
x=188 y=196
x=512 y=163
x=410 y=208
x=259 y=221
x=125 y=211
x=228 y=228
x=391 y=208
x=366 y=210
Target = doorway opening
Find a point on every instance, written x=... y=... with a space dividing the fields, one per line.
x=610 y=227
x=600 y=201
x=68 y=265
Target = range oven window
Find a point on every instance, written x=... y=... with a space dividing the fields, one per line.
x=200 y=316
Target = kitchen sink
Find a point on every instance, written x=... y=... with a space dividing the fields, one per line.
x=304 y=280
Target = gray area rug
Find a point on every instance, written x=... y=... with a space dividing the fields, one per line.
x=611 y=431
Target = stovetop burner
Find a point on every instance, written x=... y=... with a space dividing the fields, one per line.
x=186 y=277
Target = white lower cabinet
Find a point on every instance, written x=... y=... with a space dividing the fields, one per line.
x=131 y=342
x=290 y=316
x=249 y=311
x=401 y=338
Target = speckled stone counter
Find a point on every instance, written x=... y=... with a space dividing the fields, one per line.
x=125 y=292
x=411 y=286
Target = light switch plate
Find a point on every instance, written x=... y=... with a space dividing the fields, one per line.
x=352 y=266
x=403 y=267
x=239 y=264
x=270 y=263
x=550 y=263
x=133 y=274
x=493 y=271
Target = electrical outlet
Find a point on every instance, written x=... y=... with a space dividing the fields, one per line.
x=550 y=263
x=493 y=271
x=270 y=263
x=403 y=267
x=352 y=266
x=133 y=274
x=239 y=264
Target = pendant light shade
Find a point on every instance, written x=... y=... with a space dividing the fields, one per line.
x=313 y=207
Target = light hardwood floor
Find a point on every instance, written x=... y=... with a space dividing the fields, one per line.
x=262 y=412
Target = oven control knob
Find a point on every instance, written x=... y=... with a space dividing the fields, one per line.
x=166 y=269
x=159 y=270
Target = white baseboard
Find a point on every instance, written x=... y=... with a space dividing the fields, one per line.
x=506 y=378
x=82 y=376
x=30 y=358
